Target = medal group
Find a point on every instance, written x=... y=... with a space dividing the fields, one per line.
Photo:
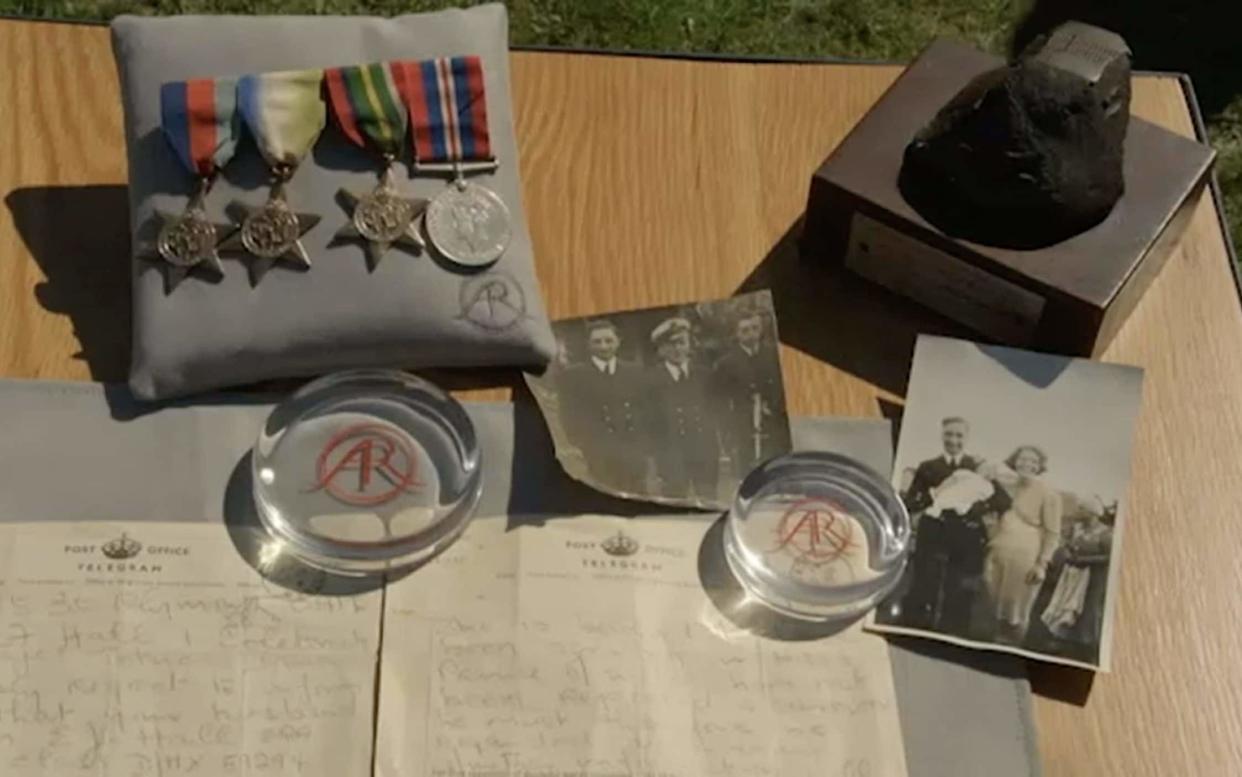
x=439 y=104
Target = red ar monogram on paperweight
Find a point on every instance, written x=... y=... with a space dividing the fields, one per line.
x=366 y=465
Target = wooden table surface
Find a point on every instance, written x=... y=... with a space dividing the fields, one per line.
x=651 y=182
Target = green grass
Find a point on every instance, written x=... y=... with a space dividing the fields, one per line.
x=1193 y=36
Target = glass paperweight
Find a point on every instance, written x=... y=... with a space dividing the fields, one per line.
x=366 y=471
x=817 y=536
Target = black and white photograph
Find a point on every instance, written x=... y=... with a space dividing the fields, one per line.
x=1014 y=467
x=673 y=404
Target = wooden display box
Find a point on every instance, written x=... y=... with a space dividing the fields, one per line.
x=1071 y=297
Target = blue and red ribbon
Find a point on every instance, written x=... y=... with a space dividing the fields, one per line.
x=200 y=121
x=448 y=108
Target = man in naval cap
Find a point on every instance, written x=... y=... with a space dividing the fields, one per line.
x=687 y=453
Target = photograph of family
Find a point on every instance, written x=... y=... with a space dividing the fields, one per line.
x=673 y=404
x=1014 y=467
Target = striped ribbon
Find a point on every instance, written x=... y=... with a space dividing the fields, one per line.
x=367 y=106
x=448 y=108
x=199 y=120
x=285 y=113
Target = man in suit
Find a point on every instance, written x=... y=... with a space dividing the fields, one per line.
x=750 y=399
x=949 y=548
x=600 y=411
x=687 y=454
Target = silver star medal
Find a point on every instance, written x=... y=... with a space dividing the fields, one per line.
x=468 y=224
x=382 y=218
x=187 y=242
x=271 y=232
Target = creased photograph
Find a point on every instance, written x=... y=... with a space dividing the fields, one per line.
x=1014 y=466
x=673 y=404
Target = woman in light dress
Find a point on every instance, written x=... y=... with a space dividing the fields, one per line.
x=1076 y=609
x=1022 y=543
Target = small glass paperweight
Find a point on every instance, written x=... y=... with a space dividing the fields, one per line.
x=366 y=471
x=817 y=536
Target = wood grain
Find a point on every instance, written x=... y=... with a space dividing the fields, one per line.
x=659 y=181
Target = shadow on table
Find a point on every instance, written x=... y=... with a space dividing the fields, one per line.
x=1063 y=683
x=79 y=235
x=836 y=317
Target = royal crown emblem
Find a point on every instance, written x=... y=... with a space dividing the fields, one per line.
x=122 y=547
x=620 y=544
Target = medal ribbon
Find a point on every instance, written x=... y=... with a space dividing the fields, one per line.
x=448 y=108
x=367 y=106
x=285 y=113
x=199 y=120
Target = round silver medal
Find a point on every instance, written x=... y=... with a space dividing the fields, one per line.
x=382 y=216
x=468 y=224
x=188 y=240
x=272 y=231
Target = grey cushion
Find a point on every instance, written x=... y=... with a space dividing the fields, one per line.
x=411 y=311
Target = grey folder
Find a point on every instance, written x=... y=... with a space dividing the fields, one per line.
x=76 y=451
